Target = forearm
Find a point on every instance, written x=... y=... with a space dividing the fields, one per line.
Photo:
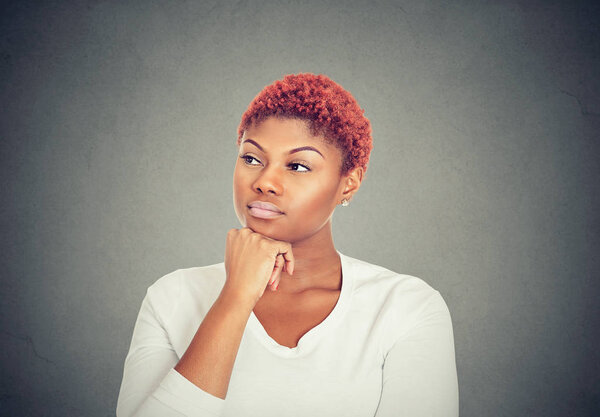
x=252 y=262
x=209 y=359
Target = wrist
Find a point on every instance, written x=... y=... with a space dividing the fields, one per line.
x=237 y=300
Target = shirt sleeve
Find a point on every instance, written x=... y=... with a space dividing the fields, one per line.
x=419 y=372
x=151 y=386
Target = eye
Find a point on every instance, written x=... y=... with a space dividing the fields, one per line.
x=248 y=160
x=299 y=167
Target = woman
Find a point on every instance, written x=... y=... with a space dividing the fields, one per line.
x=287 y=325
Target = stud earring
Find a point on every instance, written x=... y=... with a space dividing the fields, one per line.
x=345 y=202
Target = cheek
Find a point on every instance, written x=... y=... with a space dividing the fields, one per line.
x=239 y=180
x=238 y=197
x=238 y=186
x=321 y=200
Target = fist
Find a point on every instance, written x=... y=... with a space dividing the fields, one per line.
x=254 y=262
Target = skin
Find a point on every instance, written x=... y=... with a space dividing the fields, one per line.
x=292 y=255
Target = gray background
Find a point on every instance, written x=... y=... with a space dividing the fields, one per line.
x=118 y=129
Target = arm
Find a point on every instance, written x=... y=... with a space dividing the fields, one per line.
x=419 y=373
x=155 y=384
x=209 y=359
x=150 y=386
x=252 y=261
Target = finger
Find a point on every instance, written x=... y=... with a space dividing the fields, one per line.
x=279 y=262
x=276 y=281
x=289 y=259
x=273 y=286
x=277 y=277
x=278 y=273
x=246 y=231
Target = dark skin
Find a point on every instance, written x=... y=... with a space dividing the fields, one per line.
x=290 y=252
x=307 y=186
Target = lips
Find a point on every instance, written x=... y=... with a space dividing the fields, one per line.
x=264 y=210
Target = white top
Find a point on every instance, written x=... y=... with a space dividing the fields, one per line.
x=386 y=349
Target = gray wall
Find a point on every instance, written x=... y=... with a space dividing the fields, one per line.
x=118 y=129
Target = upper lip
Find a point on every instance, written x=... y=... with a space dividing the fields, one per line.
x=265 y=206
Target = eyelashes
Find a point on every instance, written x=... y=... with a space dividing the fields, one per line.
x=295 y=164
x=248 y=160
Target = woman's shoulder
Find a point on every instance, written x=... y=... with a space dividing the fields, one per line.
x=401 y=296
x=369 y=276
x=199 y=282
x=180 y=299
x=401 y=301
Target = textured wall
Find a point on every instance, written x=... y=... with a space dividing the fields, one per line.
x=117 y=146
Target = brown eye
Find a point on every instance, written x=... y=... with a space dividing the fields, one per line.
x=248 y=159
x=299 y=167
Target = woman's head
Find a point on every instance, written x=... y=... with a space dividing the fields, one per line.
x=329 y=110
x=303 y=149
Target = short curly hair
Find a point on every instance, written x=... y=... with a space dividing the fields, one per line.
x=330 y=111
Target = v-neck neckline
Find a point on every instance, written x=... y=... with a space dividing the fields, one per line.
x=310 y=338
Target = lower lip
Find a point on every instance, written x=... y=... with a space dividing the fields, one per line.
x=264 y=214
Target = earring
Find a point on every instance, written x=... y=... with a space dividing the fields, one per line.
x=345 y=202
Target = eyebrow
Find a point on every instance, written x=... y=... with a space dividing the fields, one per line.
x=302 y=148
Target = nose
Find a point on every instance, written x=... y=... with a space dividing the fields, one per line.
x=268 y=182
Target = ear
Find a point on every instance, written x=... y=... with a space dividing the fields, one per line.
x=351 y=181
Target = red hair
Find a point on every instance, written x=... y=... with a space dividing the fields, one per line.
x=329 y=110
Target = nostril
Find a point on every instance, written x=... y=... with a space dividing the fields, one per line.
x=267 y=186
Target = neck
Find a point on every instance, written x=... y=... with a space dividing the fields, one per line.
x=316 y=264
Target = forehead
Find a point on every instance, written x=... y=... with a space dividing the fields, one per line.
x=277 y=132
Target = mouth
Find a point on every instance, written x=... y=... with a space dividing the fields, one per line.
x=264 y=210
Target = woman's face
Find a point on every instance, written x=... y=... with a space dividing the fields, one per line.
x=282 y=163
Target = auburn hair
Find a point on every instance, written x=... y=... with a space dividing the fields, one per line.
x=329 y=110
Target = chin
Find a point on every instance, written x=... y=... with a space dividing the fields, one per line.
x=265 y=228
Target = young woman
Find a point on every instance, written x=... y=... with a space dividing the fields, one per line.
x=287 y=325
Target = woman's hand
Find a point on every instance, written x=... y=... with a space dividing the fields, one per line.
x=254 y=261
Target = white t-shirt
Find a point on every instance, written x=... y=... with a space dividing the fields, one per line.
x=386 y=349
